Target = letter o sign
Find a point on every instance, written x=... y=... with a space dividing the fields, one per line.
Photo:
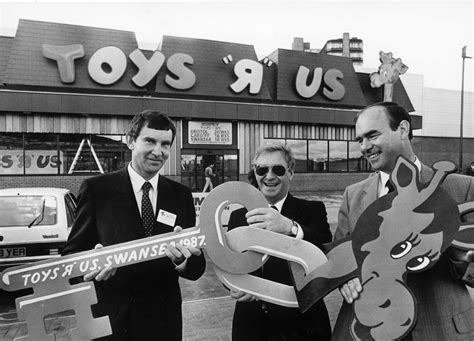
x=107 y=65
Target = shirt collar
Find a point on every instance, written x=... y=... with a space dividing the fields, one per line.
x=138 y=181
x=279 y=204
x=385 y=176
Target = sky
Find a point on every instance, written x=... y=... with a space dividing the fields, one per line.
x=427 y=35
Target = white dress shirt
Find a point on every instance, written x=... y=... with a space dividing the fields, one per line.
x=137 y=183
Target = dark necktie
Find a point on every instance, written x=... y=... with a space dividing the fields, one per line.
x=148 y=217
x=390 y=187
x=274 y=207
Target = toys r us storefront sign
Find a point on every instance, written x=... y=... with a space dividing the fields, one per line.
x=196 y=67
x=108 y=64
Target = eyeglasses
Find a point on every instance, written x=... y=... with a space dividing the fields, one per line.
x=278 y=170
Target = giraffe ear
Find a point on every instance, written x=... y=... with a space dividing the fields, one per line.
x=404 y=173
x=403 y=68
x=385 y=57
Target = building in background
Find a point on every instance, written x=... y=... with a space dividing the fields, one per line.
x=352 y=48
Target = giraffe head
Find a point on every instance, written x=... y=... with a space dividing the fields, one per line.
x=389 y=70
x=411 y=228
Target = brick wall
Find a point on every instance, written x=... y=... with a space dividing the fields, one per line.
x=71 y=182
x=300 y=182
x=63 y=181
x=432 y=149
x=321 y=181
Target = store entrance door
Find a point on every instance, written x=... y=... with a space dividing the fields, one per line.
x=194 y=161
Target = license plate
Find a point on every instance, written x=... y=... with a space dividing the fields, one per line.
x=13 y=252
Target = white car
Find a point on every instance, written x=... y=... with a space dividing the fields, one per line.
x=34 y=223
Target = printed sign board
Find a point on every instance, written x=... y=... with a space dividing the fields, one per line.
x=210 y=132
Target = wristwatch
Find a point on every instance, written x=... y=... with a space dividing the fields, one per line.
x=294 y=228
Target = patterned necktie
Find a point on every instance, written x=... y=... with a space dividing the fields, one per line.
x=148 y=217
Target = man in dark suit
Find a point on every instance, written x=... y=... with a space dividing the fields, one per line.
x=143 y=301
x=445 y=308
x=273 y=168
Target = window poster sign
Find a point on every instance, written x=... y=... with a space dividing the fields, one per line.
x=33 y=161
x=209 y=132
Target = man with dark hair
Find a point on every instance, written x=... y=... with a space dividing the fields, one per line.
x=273 y=168
x=445 y=308
x=143 y=301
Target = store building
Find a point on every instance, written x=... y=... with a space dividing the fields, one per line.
x=67 y=94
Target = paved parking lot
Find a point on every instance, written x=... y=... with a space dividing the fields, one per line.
x=207 y=307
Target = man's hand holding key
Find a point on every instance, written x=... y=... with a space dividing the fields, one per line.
x=100 y=274
x=179 y=253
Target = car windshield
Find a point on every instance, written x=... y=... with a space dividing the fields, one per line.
x=27 y=210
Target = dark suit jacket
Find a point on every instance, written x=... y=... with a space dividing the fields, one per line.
x=445 y=308
x=143 y=301
x=266 y=321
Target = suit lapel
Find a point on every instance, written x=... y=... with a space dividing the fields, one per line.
x=369 y=193
x=290 y=207
x=426 y=174
x=126 y=214
x=164 y=202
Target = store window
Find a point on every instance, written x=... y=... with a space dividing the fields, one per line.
x=194 y=161
x=357 y=163
x=300 y=152
x=338 y=156
x=112 y=151
x=77 y=155
x=41 y=154
x=93 y=153
x=12 y=158
x=318 y=156
x=62 y=153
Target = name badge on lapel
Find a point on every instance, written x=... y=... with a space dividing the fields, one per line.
x=166 y=218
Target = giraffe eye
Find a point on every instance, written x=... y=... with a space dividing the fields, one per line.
x=418 y=263
x=401 y=249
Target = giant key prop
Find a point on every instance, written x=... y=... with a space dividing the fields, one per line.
x=53 y=292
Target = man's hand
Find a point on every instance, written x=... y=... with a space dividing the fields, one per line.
x=269 y=219
x=241 y=296
x=178 y=253
x=350 y=291
x=100 y=274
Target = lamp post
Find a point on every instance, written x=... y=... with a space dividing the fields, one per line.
x=464 y=56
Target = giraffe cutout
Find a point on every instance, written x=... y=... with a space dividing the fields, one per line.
x=388 y=74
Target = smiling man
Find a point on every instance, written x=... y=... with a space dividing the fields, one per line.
x=273 y=169
x=143 y=301
x=445 y=309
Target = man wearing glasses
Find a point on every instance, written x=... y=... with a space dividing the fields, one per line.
x=273 y=168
